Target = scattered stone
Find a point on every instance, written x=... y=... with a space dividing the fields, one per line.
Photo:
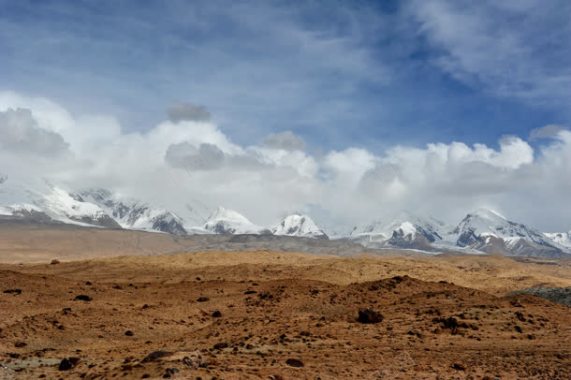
x=83 y=297
x=20 y=344
x=294 y=363
x=248 y=292
x=169 y=372
x=220 y=346
x=518 y=329
x=155 y=355
x=68 y=363
x=15 y=291
x=369 y=316
x=458 y=367
x=202 y=299
x=55 y=262
x=129 y=333
x=216 y=314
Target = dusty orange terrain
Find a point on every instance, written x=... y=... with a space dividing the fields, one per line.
x=267 y=315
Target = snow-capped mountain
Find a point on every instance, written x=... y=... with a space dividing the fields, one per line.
x=39 y=201
x=488 y=231
x=561 y=238
x=133 y=214
x=300 y=226
x=225 y=221
x=42 y=202
x=405 y=231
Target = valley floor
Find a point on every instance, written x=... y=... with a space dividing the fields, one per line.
x=265 y=315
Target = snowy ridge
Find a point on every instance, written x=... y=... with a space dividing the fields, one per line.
x=561 y=238
x=489 y=231
x=133 y=214
x=299 y=225
x=481 y=231
x=405 y=230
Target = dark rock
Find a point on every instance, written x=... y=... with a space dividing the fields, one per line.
x=519 y=315
x=202 y=299
x=83 y=297
x=294 y=363
x=220 y=346
x=155 y=355
x=450 y=323
x=216 y=314
x=458 y=367
x=248 y=292
x=68 y=363
x=369 y=316
x=13 y=291
x=20 y=344
x=129 y=333
x=55 y=262
x=169 y=372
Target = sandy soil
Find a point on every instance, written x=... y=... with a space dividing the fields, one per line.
x=266 y=315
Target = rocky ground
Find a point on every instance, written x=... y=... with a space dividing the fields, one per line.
x=282 y=316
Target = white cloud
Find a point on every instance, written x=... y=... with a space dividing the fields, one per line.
x=20 y=133
x=176 y=163
x=186 y=156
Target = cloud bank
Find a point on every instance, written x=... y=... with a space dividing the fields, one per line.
x=189 y=159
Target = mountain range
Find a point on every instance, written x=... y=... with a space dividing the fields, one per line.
x=481 y=231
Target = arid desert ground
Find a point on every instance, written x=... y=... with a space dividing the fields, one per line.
x=151 y=310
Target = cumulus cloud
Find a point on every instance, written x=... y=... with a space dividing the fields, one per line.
x=284 y=140
x=188 y=112
x=20 y=133
x=186 y=156
x=546 y=132
x=176 y=163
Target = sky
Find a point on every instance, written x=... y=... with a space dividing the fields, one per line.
x=349 y=111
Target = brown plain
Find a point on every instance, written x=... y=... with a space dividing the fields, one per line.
x=158 y=312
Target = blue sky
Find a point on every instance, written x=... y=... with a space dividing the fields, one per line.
x=374 y=74
x=349 y=110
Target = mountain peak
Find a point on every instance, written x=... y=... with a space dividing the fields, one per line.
x=298 y=225
x=486 y=213
x=226 y=221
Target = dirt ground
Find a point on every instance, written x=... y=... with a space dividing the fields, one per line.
x=265 y=315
